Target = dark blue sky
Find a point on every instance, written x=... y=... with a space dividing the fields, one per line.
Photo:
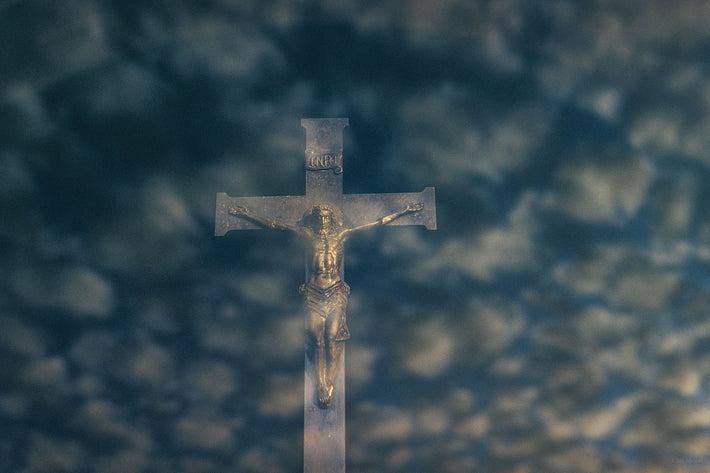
x=556 y=320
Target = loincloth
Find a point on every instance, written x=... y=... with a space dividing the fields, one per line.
x=327 y=302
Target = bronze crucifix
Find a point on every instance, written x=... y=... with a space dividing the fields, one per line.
x=325 y=295
x=324 y=218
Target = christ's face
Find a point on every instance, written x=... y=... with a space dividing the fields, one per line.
x=322 y=220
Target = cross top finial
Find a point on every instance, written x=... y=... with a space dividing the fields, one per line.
x=324 y=143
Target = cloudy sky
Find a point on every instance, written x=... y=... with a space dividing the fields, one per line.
x=556 y=321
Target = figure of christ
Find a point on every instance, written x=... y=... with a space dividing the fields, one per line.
x=325 y=294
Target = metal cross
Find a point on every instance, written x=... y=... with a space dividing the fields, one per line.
x=324 y=428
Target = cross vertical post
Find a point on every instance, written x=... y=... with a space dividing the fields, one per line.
x=324 y=429
x=325 y=291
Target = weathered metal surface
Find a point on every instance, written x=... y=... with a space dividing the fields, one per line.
x=324 y=218
x=324 y=429
x=324 y=147
x=362 y=208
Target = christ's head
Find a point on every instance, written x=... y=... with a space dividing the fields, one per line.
x=322 y=219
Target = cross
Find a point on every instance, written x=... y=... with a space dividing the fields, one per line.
x=324 y=403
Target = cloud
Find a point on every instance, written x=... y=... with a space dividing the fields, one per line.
x=683 y=378
x=489 y=327
x=430 y=348
x=591 y=424
x=48 y=375
x=50 y=454
x=575 y=54
x=673 y=201
x=679 y=426
x=283 y=395
x=627 y=358
x=15 y=178
x=574 y=380
x=209 y=381
x=589 y=274
x=473 y=30
x=261 y=460
x=625 y=277
x=93 y=350
x=105 y=421
x=583 y=458
x=474 y=427
x=212 y=46
x=439 y=137
x=122 y=461
x=359 y=365
x=434 y=345
x=133 y=361
x=610 y=44
x=267 y=289
x=123 y=89
x=14 y=406
x=224 y=337
x=282 y=338
x=78 y=291
x=89 y=385
x=152 y=236
x=599 y=323
x=665 y=23
x=647 y=291
x=657 y=132
x=205 y=433
x=22 y=338
x=604 y=101
x=598 y=191
x=385 y=432
x=390 y=424
x=149 y=364
x=508 y=366
x=29 y=119
x=63 y=38
x=681 y=341
x=506 y=447
x=668 y=129
x=515 y=401
x=509 y=247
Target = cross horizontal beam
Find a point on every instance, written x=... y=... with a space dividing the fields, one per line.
x=357 y=209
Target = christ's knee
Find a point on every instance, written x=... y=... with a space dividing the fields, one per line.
x=331 y=330
x=315 y=329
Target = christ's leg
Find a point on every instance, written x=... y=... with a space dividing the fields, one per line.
x=334 y=347
x=317 y=354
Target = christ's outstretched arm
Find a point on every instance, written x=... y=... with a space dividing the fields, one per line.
x=412 y=207
x=243 y=212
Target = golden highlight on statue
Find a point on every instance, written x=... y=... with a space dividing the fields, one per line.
x=325 y=294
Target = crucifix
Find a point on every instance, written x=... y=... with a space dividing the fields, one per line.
x=324 y=218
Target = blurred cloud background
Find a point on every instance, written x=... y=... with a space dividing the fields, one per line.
x=556 y=321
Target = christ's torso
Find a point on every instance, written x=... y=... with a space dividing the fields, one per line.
x=326 y=259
